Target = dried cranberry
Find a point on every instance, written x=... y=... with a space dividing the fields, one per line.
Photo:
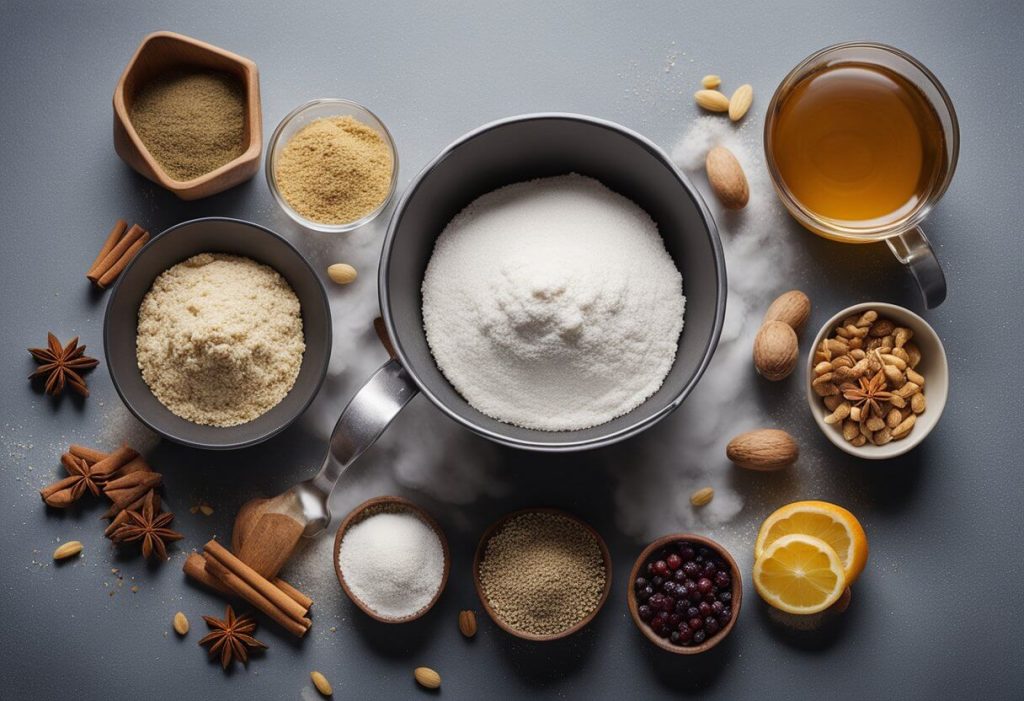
x=704 y=609
x=674 y=619
x=710 y=625
x=704 y=585
x=696 y=623
x=660 y=568
x=673 y=561
x=717 y=608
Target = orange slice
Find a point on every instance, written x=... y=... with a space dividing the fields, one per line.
x=832 y=524
x=799 y=574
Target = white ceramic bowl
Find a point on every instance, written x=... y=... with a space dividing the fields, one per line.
x=933 y=367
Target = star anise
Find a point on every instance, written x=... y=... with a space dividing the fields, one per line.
x=869 y=395
x=231 y=637
x=149 y=527
x=81 y=477
x=62 y=365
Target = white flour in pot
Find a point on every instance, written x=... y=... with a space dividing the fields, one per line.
x=552 y=304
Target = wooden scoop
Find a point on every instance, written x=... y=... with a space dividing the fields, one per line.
x=267 y=531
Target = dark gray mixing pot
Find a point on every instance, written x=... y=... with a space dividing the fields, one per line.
x=520 y=148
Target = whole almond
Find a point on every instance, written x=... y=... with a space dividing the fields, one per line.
x=727 y=179
x=765 y=449
x=321 y=683
x=427 y=678
x=180 y=623
x=68 y=549
x=740 y=102
x=467 y=623
x=775 y=350
x=342 y=273
x=710 y=81
x=702 y=497
x=791 y=308
x=712 y=100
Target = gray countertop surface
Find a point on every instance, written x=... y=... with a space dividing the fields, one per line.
x=937 y=614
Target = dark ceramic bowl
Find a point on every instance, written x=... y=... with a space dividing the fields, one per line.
x=174 y=245
x=535 y=146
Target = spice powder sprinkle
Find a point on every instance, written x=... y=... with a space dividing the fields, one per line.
x=542 y=573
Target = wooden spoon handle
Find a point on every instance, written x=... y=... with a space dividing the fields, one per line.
x=267 y=546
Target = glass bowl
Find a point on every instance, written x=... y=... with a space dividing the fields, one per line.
x=299 y=118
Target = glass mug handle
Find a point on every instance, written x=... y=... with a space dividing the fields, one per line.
x=913 y=249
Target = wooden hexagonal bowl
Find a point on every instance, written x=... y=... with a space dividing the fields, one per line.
x=481 y=550
x=389 y=504
x=157 y=53
x=737 y=593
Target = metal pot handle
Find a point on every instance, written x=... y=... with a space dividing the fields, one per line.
x=361 y=423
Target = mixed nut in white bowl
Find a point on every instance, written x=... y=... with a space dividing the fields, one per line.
x=877 y=380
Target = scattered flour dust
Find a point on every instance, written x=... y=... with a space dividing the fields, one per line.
x=552 y=304
x=723 y=404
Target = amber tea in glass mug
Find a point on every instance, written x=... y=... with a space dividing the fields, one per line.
x=861 y=140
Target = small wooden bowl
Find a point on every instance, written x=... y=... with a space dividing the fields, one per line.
x=389 y=504
x=737 y=593
x=157 y=53
x=481 y=549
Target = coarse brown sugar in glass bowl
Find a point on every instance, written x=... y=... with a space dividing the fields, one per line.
x=332 y=165
x=685 y=593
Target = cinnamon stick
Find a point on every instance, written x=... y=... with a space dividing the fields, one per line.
x=195 y=567
x=112 y=238
x=115 y=461
x=257 y=599
x=118 y=267
x=90 y=455
x=300 y=598
x=126 y=491
x=58 y=494
x=139 y=464
x=218 y=553
x=116 y=252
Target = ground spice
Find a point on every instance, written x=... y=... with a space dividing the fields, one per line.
x=192 y=122
x=204 y=353
x=542 y=573
x=335 y=170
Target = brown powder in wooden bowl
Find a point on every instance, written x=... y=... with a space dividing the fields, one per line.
x=542 y=573
x=335 y=170
x=191 y=121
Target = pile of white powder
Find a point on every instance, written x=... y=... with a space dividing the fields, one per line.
x=392 y=562
x=552 y=304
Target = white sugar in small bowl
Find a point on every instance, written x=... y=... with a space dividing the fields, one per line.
x=933 y=367
x=389 y=504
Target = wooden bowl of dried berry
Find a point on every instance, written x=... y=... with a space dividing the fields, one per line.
x=685 y=593
x=542 y=574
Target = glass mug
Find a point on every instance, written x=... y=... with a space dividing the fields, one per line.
x=861 y=141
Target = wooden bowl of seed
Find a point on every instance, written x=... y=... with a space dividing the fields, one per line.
x=542 y=574
x=391 y=558
x=877 y=380
x=187 y=115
